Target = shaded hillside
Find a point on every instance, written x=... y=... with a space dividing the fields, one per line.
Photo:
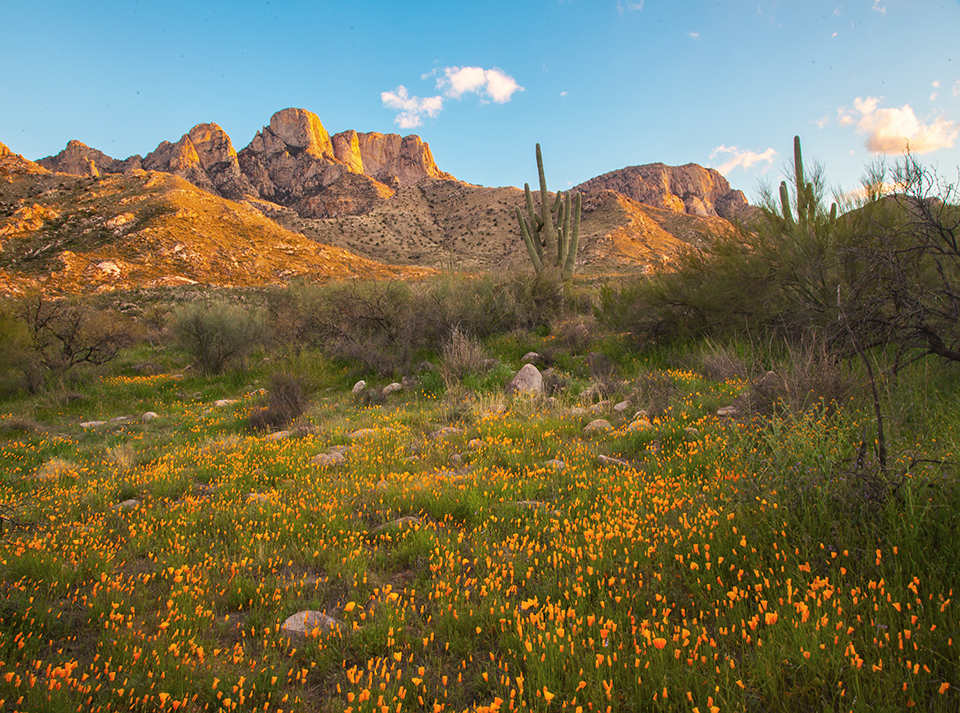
x=144 y=229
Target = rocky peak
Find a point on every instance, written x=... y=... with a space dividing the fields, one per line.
x=79 y=159
x=690 y=189
x=405 y=159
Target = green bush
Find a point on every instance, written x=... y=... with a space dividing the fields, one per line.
x=217 y=333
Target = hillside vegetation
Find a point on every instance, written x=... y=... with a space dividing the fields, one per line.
x=731 y=492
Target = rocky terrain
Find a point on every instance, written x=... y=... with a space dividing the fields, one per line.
x=377 y=198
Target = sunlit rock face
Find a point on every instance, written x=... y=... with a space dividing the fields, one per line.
x=292 y=162
x=689 y=189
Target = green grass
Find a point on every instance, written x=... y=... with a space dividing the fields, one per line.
x=749 y=565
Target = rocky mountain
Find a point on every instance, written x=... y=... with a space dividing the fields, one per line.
x=293 y=162
x=690 y=189
x=380 y=197
x=61 y=233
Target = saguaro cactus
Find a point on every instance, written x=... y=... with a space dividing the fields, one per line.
x=550 y=240
x=806 y=199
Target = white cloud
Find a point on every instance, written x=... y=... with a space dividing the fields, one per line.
x=695 y=35
x=822 y=121
x=877 y=7
x=935 y=84
x=892 y=130
x=633 y=6
x=933 y=96
x=744 y=159
x=563 y=94
x=491 y=84
x=411 y=108
x=956 y=89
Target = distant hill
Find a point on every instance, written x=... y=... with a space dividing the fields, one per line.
x=298 y=201
x=63 y=233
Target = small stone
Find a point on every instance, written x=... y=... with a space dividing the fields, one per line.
x=277 y=436
x=131 y=504
x=93 y=424
x=609 y=460
x=641 y=415
x=224 y=402
x=258 y=498
x=728 y=412
x=358 y=387
x=556 y=464
x=622 y=406
x=475 y=444
x=362 y=433
x=446 y=431
x=600 y=425
x=599 y=407
x=149 y=416
x=531 y=358
x=691 y=434
x=639 y=425
x=120 y=419
x=407 y=521
x=578 y=411
x=456 y=459
x=391 y=388
x=305 y=623
x=332 y=458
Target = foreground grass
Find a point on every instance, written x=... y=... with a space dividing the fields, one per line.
x=733 y=567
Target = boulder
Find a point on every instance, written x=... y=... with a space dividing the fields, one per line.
x=528 y=380
x=308 y=623
x=598 y=426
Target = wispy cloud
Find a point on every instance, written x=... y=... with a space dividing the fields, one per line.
x=877 y=7
x=695 y=35
x=454 y=82
x=892 y=130
x=741 y=158
x=956 y=89
x=412 y=109
x=632 y=6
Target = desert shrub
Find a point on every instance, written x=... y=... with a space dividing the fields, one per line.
x=461 y=355
x=217 y=333
x=653 y=392
x=286 y=401
x=387 y=327
x=65 y=333
x=15 y=352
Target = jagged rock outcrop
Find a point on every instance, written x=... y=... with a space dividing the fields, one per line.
x=13 y=163
x=81 y=160
x=690 y=189
x=391 y=158
x=205 y=156
x=293 y=162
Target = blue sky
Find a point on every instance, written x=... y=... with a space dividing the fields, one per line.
x=601 y=84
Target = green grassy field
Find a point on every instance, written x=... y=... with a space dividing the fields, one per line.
x=477 y=552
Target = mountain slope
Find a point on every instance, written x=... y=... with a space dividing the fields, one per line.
x=63 y=233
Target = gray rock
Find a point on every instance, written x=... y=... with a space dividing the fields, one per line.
x=277 y=436
x=258 y=498
x=691 y=434
x=332 y=458
x=531 y=358
x=93 y=424
x=131 y=504
x=362 y=433
x=224 y=402
x=149 y=416
x=528 y=380
x=391 y=388
x=406 y=521
x=446 y=431
x=556 y=464
x=639 y=425
x=622 y=406
x=358 y=387
x=305 y=623
x=609 y=460
x=599 y=407
x=728 y=412
x=600 y=425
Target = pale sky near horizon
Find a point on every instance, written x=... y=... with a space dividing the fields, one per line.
x=601 y=84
